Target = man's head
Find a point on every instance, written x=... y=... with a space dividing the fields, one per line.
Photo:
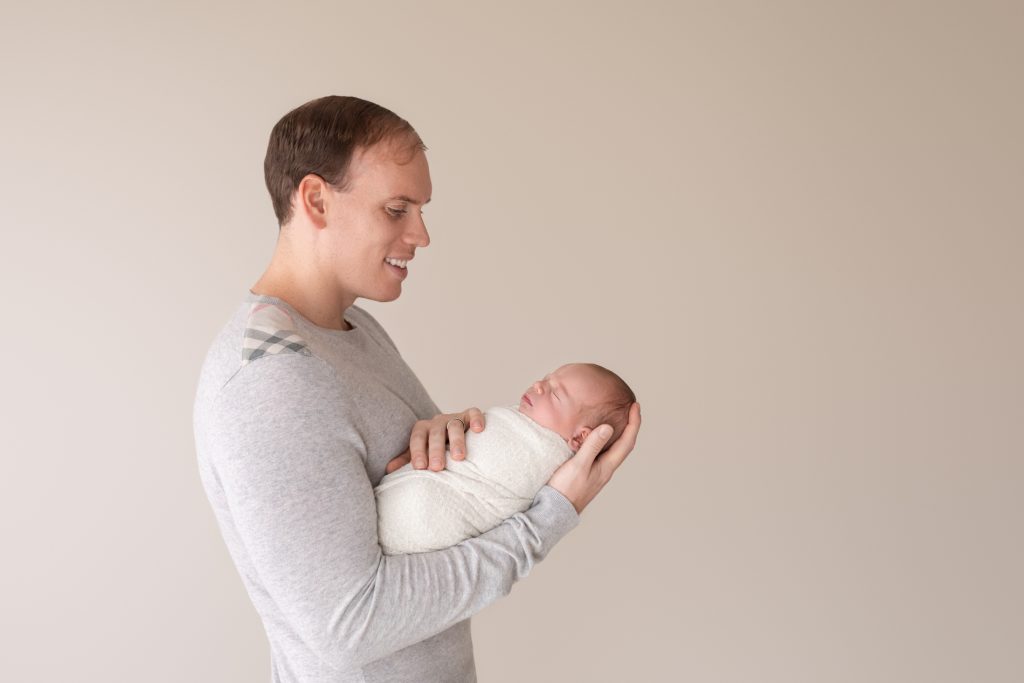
x=577 y=398
x=321 y=137
x=348 y=179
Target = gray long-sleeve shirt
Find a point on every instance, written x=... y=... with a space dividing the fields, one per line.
x=294 y=425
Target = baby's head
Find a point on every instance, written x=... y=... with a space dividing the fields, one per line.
x=575 y=399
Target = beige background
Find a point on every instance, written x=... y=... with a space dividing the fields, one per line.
x=795 y=228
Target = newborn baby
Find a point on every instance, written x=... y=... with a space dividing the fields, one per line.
x=506 y=464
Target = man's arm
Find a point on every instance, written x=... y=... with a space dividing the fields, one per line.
x=291 y=465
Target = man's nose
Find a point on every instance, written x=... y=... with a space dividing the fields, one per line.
x=418 y=235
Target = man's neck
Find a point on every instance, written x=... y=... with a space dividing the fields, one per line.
x=311 y=299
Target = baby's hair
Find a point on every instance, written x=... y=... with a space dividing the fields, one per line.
x=614 y=409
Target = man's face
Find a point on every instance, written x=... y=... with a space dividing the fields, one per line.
x=559 y=400
x=378 y=219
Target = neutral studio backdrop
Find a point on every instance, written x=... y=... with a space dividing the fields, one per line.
x=797 y=229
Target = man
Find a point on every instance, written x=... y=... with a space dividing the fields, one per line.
x=303 y=401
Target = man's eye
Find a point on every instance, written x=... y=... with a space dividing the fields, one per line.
x=395 y=213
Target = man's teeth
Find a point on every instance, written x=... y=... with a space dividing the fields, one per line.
x=396 y=262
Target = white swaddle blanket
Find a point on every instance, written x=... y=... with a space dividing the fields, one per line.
x=506 y=465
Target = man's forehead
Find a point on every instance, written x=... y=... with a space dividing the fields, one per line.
x=378 y=168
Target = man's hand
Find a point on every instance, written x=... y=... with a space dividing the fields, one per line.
x=428 y=439
x=581 y=477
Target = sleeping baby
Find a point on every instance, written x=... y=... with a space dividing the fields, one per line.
x=506 y=464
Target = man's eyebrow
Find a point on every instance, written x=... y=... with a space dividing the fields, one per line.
x=404 y=198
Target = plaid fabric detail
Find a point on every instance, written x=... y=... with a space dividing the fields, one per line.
x=270 y=330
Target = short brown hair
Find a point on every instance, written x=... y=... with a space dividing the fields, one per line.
x=321 y=137
x=614 y=407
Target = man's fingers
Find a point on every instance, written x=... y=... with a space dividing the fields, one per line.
x=418 y=445
x=457 y=439
x=435 y=448
x=474 y=419
x=623 y=446
x=429 y=438
x=397 y=462
x=593 y=444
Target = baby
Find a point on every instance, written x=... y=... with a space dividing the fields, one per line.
x=506 y=464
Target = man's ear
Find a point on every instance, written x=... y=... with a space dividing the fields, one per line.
x=310 y=199
x=578 y=437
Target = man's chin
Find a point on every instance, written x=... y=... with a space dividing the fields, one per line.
x=384 y=298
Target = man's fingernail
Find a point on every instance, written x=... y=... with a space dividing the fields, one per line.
x=604 y=432
x=477 y=425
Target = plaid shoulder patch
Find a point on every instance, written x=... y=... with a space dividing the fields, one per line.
x=270 y=330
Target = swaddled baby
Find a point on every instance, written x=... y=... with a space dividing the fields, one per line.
x=506 y=464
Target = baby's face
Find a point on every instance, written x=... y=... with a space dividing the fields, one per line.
x=559 y=400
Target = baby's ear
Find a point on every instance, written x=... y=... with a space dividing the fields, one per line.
x=578 y=438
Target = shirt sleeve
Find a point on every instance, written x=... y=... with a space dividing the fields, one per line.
x=291 y=465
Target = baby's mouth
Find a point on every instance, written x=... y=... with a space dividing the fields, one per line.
x=528 y=401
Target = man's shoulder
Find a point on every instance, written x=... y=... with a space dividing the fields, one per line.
x=270 y=330
x=259 y=340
